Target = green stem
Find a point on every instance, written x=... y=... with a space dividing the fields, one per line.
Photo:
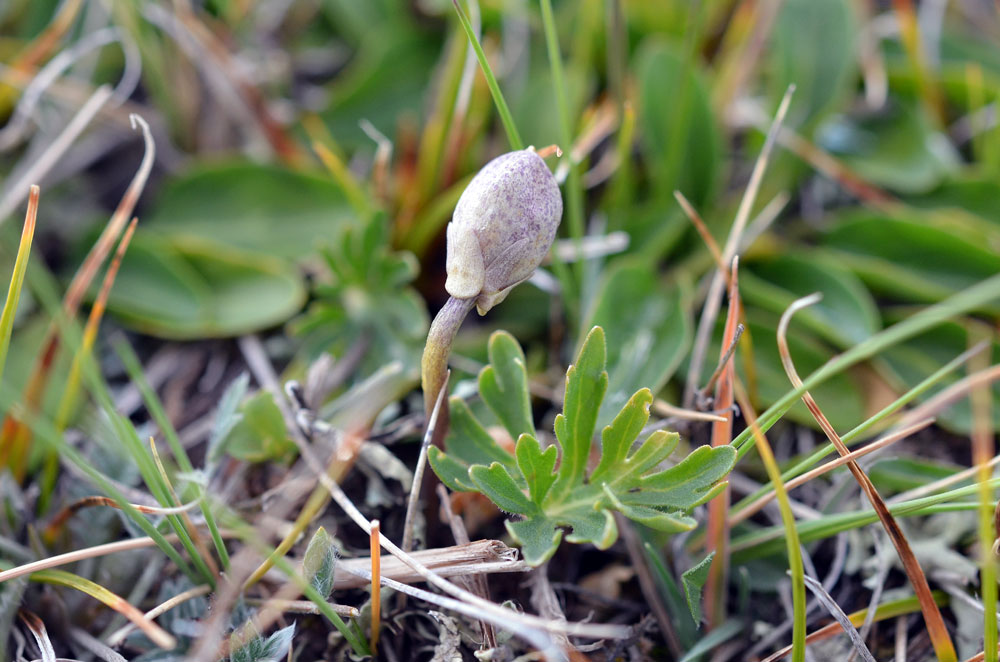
x=434 y=364
x=491 y=81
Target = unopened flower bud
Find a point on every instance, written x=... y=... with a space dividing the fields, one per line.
x=502 y=228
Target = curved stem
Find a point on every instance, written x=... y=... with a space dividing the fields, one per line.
x=434 y=364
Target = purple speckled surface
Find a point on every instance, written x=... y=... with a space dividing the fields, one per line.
x=502 y=227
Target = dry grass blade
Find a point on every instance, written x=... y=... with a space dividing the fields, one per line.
x=376 y=570
x=119 y=635
x=532 y=629
x=886 y=611
x=55 y=526
x=714 y=298
x=702 y=229
x=418 y=472
x=14 y=434
x=936 y=629
x=14 y=192
x=717 y=534
x=889 y=439
x=983 y=449
x=156 y=634
x=831 y=606
x=41 y=635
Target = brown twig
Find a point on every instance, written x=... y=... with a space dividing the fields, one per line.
x=717 y=534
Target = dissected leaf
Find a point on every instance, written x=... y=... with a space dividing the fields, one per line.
x=694 y=579
x=648 y=331
x=503 y=385
x=546 y=498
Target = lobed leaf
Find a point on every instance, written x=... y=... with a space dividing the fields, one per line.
x=536 y=466
x=503 y=385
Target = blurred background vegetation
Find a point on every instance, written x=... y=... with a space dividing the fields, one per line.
x=309 y=154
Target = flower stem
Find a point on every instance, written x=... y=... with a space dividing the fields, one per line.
x=434 y=364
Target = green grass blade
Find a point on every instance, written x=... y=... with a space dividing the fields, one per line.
x=134 y=369
x=17 y=277
x=508 y=120
x=979 y=294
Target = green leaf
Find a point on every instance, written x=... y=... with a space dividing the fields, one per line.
x=694 y=579
x=846 y=315
x=260 y=434
x=257 y=649
x=227 y=414
x=897 y=148
x=320 y=562
x=909 y=257
x=692 y=166
x=184 y=287
x=536 y=466
x=252 y=207
x=496 y=483
x=625 y=481
x=477 y=445
x=586 y=383
x=617 y=438
x=453 y=473
x=503 y=385
x=813 y=48
x=539 y=539
x=648 y=331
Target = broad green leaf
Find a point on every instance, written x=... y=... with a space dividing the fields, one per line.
x=694 y=579
x=319 y=564
x=182 y=288
x=896 y=149
x=846 y=315
x=693 y=165
x=533 y=107
x=536 y=466
x=688 y=483
x=586 y=383
x=503 y=385
x=260 y=434
x=258 y=208
x=648 y=331
x=909 y=259
x=813 y=48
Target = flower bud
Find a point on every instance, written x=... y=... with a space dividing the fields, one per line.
x=502 y=228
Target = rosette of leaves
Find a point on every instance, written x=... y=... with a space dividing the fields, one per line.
x=367 y=299
x=554 y=487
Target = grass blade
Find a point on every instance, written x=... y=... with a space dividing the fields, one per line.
x=491 y=81
x=17 y=278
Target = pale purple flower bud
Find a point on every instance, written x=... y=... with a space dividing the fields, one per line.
x=502 y=228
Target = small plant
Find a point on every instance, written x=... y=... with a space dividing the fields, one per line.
x=503 y=226
x=528 y=483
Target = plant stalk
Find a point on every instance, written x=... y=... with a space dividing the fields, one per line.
x=434 y=364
